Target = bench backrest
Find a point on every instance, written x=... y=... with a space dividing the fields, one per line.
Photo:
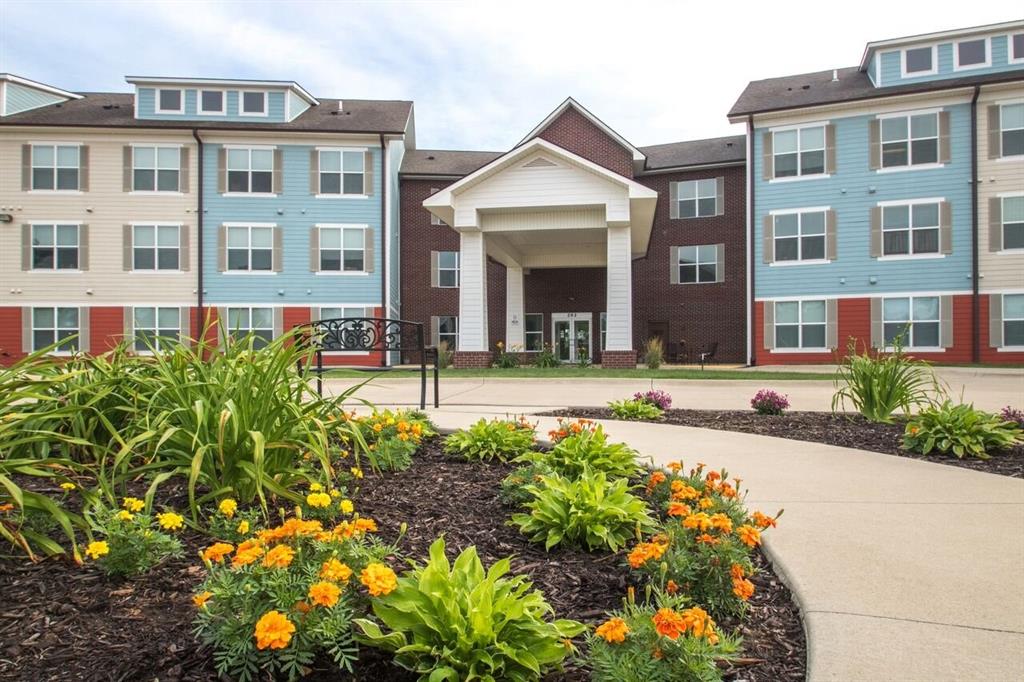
x=363 y=334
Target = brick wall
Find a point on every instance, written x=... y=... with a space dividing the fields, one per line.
x=575 y=132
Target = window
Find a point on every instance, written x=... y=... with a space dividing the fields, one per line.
x=254 y=104
x=913 y=320
x=448 y=331
x=1017 y=47
x=800 y=324
x=258 y=321
x=342 y=249
x=919 y=61
x=799 y=152
x=533 y=332
x=698 y=264
x=1011 y=129
x=447 y=268
x=156 y=328
x=55 y=167
x=53 y=325
x=155 y=247
x=211 y=102
x=156 y=169
x=800 y=236
x=250 y=248
x=251 y=170
x=55 y=247
x=345 y=312
x=910 y=229
x=341 y=171
x=1013 y=320
x=1013 y=222
x=972 y=53
x=169 y=102
x=604 y=330
x=910 y=140
x=698 y=198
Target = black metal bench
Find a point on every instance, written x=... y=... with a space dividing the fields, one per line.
x=369 y=335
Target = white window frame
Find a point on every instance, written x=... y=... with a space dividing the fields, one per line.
x=1002 y=219
x=161 y=343
x=799 y=237
x=1002 y=302
x=916 y=74
x=910 y=323
x=181 y=101
x=156 y=249
x=156 y=169
x=266 y=103
x=55 y=167
x=697 y=196
x=987 y=40
x=697 y=263
x=909 y=139
x=56 y=328
x=228 y=248
x=229 y=331
x=340 y=195
x=457 y=269
x=603 y=331
x=53 y=225
x=799 y=151
x=1001 y=104
x=223 y=102
x=342 y=227
x=527 y=333
x=910 y=203
x=447 y=334
x=364 y=311
x=248 y=169
x=1012 y=58
x=800 y=324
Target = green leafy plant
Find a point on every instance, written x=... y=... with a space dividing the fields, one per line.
x=134 y=540
x=26 y=516
x=391 y=437
x=879 y=384
x=654 y=352
x=635 y=409
x=546 y=358
x=505 y=360
x=582 y=356
x=444 y=355
x=587 y=449
x=586 y=511
x=485 y=440
x=961 y=430
x=454 y=622
x=513 y=487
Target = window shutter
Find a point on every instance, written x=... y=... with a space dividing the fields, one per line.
x=314 y=171
x=995 y=320
x=767 y=159
x=183 y=171
x=278 y=322
x=26 y=247
x=768 y=310
x=673 y=264
x=874 y=144
x=673 y=200
x=26 y=330
x=435 y=339
x=830 y=148
x=314 y=249
x=945 y=227
x=768 y=239
x=435 y=278
x=876 y=231
x=831 y=323
x=83 y=329
x=83 y=168
x=368 y=172
x=277 y=254
x=877 y=334
x=83 y=247
x=720 y=196
x=831 y=247
x=185 y=319
x=944 y=155
x=126 y=169
x=994 y=132
x=128 y=324
x=222 y=170
x=995 y=224
x=946 y=321
x=368 y=245
x=278 y=180
x=720 y=264
x=222 y=248
x=26 y=168
x=184 y=249
x=127 y=261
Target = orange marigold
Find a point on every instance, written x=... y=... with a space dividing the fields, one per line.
x=736 y=572
x=679 y=509
x=248 y=552
x=707 y=503
x=749 y=535
x=762 y=520
x=668 y=623
x=279 y=556
x=721 y=522
x=707 y=539
x=697 y=621
x=671 y=587
x=273 y=631
x=682 y=491
x=324 y=593
x=657 y=478
x=742 y=588
x=217 y=551
x=699 y=521
x=335 y=570
x=644 y=552
x=675 y=467
x=200 y=599
x=379 y=579
x=612 y=631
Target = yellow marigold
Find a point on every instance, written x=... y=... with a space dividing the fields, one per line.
x=133 y=504
x=612 y=631
x=390 y=421
x=68 y=486
x=668 y=623
x=217 y=551
x=335 y=570
x=279 y=556
x=97 y=549
x=699 y=521
x=417 y=428
x=707 y=503
x=273 y=631
x=170 y=520
x=357 y=472
x=346 y=506
x=200 y=599
x=315 y=487
x=228 y=507
x=335 y=493
x=742 y=588
x=243 y=527
x=679 y=509
x=379 y=579
x=763 y=521
x=749 y=535
x=324 y=593
x=403 y=436
x=378 y=427
x=402 y=426
x=124 y=515
x=318 y=500
x=721 y=523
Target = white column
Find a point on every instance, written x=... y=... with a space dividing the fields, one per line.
x=620 y=290
x=515 y=319
x=472 y=292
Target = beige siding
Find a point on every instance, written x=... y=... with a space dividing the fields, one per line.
x=105 y=208
x=999 y=270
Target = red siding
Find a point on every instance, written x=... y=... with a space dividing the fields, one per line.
x=10 y=335
x=106 y=328
x=989 y=355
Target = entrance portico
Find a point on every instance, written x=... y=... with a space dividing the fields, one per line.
x=541 y=206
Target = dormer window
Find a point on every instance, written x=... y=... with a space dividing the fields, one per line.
x=1016 y=48
x=211 y=102
x=972 y=53
x=254 y=104
x=919 y=61
x=169 y=102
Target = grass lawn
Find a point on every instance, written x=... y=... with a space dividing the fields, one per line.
x=571 y=372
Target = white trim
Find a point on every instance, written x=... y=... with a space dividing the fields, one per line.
x=799 y=151
x=868 y=295
x=797 y=351
x=939 y=36
x=242 y=224
x=987 y=40
x=916 y=74
x=337 y=148
x=794 y=263
x=255 y=114
x=697 y=198
x=910 y=202
x=363 y=227
x=797 y=178
x=1010 y=349
x=809 y=209
x=223 y=102
x=909 y=112
x=181 y=101
x=248 y=194
x=570 y=102
x=263 y=147
x=1009 y=195
x=1010 y=59
x=11 y=78
x=341 y=196
x=696 y=264
x=915 y=349
x=914 y=167
x=748 y=254
x=797 y=126
x=800 y=324
x=228 y=83
x=912 y=256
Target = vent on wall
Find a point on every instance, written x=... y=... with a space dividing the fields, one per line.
x=539 y=162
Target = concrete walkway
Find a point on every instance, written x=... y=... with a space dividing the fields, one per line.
x=903 y=570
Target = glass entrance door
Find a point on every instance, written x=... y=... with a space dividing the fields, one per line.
x=571 y=336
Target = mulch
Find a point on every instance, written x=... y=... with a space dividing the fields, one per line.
x=842 y=429
x=62 y=622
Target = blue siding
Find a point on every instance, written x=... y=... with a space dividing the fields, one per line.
x=21 y=98
x=295 y=211
x=890 y=64
x=851 y=191
x=147 y=107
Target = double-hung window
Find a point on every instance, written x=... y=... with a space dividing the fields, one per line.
x=156 y=328
x=448 y=269
x=250 y=171
x=910 y=229
x=698 y=198
x=799 y=152
x=1011 y=129
x=156 y=247
x=1013 y=320
x=257 y=321
x=342 y=249
x=448 y=331
x=799 y=236
x=913 y=320
x=533 y=331
x=55 y=247
x=910 y=140
x=55 y=325
x=55 y=167
x=1013 y=222
x=252 y=103
x=341 y=171
x=250 y=248
x=698 y=264
x=800 y=324
x=156 y=169
x=170 y=101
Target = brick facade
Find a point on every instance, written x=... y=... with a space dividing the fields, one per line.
x=573 y=131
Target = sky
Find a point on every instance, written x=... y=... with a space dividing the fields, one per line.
x=482 y=74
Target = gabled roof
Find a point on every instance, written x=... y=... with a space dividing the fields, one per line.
x=11 y=78
x=223 y=82
x=570 y=102
x=955 y=34
x=444 y=163
x=713 y=151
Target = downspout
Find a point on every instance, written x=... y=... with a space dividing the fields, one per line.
x=975 y=278
x=199 y=328
x=751 y=360
x=384 y=238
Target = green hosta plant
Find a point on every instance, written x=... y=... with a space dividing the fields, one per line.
x=586 y=511
x=485 y=440
x=879 y=384
x=456 y=622
x=587 y=449
x=961 y=430
x=635 y=410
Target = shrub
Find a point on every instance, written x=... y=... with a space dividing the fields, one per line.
x=654 y=353
x=635 y=410
x=458 y=622
x=513 y=487
x=586 y=449
x=959 y=429
x=134 y=539
x=486 y=440
x=655 y=397
x=505 y=360
x=586 y=511
x=391 y=437
x=546 y=358
x=582 y=357
x=878 y=384
x=767 y=401
x=1010 y=414
x=444 y=355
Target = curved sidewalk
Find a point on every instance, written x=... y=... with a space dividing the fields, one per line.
x=903 y=570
